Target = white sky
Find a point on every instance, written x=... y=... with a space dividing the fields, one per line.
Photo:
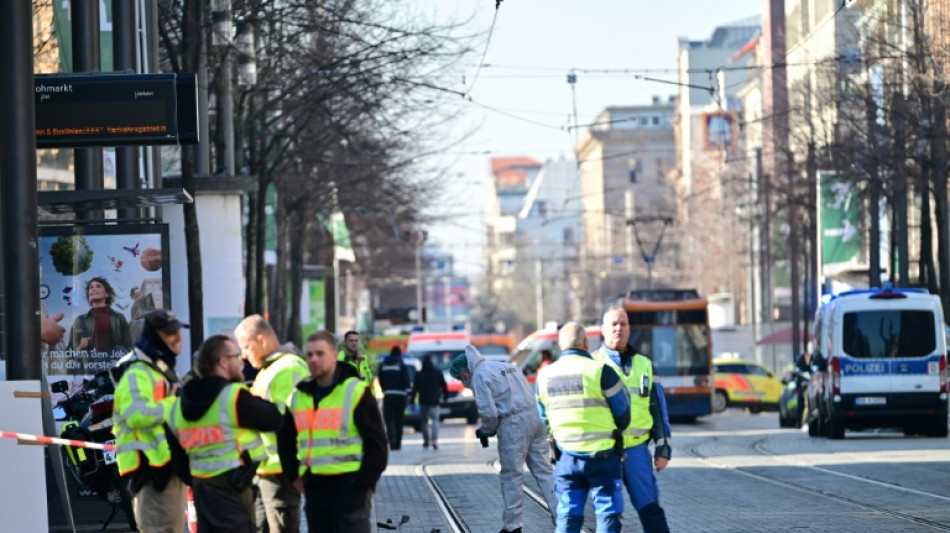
x=533 y=46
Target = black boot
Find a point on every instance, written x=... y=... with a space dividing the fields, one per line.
x=653 y=519
x=503 y=530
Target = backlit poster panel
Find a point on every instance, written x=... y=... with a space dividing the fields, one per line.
x=102 y=279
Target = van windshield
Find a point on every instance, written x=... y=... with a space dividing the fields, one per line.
x=889 y=334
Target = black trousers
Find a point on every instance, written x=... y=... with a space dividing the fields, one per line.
x=394 y=410
x=221 y=508
x=334 y=506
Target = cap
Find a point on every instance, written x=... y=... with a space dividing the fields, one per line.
x=458 y=366
x=163 y=320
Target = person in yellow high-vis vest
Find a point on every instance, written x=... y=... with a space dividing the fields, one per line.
x=646 y=420
x=218 y=422
x=333 y=434
x=280 y=369
x=351 y=355
x=587 y=407
x=154 y=465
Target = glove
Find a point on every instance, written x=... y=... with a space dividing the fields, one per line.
x=482 y=434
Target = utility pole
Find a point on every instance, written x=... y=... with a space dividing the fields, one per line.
x=221 y=39
x=793 y=249
x=84 y=18
x=18 y=218
x=123 y=58
x=418 y=238
x=538 y=288
x=628 y=214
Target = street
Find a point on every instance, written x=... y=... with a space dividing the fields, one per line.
x=730 y=472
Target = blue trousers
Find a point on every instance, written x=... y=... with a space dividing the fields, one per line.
x=574 y=479
x=641 y=486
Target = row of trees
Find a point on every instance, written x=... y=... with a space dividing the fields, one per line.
x=341 y=118
x=874 y=111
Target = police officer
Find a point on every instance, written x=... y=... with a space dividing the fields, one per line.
x=586 y=405
x=333 y=430
x=154 y=465
x=646 y=420
x=351 y=354
x=396 y=385
x=281 y=368
x=217 y=421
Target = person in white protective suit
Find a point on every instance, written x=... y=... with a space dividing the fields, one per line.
x=508 y=409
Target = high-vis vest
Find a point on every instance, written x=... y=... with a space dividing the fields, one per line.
x=214 y=442
x=575 y=405
x=328 y=442
x=275 y=383
x=641 y=422
x=362 y=366
x=142 y=404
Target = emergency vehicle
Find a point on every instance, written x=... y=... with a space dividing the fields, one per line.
x=443 y=347
x=541 y=346
x=880 y=361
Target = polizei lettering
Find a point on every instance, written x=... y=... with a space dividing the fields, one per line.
x=864 y=368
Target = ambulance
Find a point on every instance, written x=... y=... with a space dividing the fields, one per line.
x=540 y=348
x=443 y=346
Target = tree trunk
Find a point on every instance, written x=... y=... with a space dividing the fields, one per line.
x=278 y=292
x=301 y=231
x=939 y=154
x=253 y=239
x=925 y=269
x=191 y=52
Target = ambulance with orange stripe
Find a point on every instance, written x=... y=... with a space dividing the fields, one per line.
x=744 y=383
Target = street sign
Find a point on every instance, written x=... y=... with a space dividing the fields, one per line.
x=77 y=110
x=840 y=222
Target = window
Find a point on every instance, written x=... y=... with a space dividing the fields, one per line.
x=656 y=121
x=633 y=175
x=568 y=235
x=888 y=334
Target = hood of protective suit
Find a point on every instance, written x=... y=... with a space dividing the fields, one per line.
x=474 y=358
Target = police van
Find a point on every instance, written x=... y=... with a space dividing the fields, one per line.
x=879 y=361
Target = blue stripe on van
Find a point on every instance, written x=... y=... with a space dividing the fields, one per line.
x=885 y=367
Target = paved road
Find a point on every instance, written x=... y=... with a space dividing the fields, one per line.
x=732 y=472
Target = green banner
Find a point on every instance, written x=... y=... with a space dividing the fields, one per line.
x=314 y=310
x=64 y=33
x=840 y=223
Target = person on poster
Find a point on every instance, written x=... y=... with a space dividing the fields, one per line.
x=101 y=328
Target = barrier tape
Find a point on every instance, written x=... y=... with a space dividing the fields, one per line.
x=60 y=442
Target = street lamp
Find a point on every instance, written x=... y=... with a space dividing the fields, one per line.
x=221 y=38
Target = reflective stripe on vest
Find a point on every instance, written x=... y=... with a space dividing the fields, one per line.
x=575 y=405
x=328 y=441
x=277 y=392
x=641 y=421
x=140 y=399
x=214 y=442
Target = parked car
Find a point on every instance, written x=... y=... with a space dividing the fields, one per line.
x=880 y=362
x=744 y=383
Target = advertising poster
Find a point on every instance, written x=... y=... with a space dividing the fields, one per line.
x=102 y=279
x=840 y=222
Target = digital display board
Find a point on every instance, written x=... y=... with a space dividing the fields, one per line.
x=78 y=110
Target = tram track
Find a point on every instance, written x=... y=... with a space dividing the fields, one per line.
x=759 y=447
x=453 y=518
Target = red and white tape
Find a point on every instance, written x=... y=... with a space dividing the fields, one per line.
x=54 y=440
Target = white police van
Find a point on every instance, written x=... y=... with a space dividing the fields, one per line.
x=880 y=361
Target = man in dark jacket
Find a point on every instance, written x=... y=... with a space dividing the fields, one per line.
x=338 y=463
x=217 y=420
x=430 y=387
x=394 y=380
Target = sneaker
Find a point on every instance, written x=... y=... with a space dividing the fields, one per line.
x=425 y=445
x=435 y=446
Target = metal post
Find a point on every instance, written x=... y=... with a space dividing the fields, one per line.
x=417 y=238
x=336 y=293
x=85 y=41
x=538 y=291
x=123 y=58
x=149 y=11
x=18 y=218
x=793 y=246
x=221 y=38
